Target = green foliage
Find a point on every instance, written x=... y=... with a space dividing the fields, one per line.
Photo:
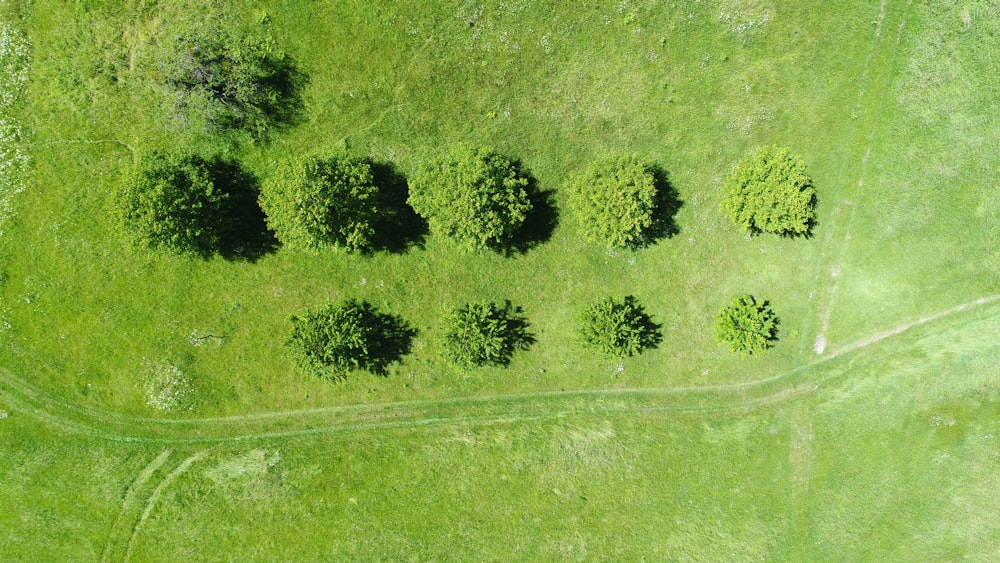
x=172 y=202
x=747 y=325
x=335 y=339
x=216 y=79
x=614 y=199
x=472 y=195
x=618 y=327
x=769 y=191
x=317 y=202
x=485 y=333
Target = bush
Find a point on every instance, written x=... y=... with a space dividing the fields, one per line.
x=172 y=202
x=216 y=79
x=485 y=333
x=770 y=192
x=317 y=202
x=618 y=327
x=747 y=325
x=614 y=200
x=471 y=195
x=335 y=339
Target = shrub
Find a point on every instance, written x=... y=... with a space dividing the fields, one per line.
x=317 y=202
x=618 y=327
x=172 y=202
x=614 y=200
x=485 y=333
x=472 y=195
x=769 y=191
x=335 y=339
x=747 y=325
x=217 y=79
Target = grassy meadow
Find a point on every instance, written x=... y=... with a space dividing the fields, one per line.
x=865 y=434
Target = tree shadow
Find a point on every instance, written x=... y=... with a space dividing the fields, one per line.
x=398 y=227
x=540 y=222
x=243 y=232
x=391 y=339
x=649 y=332
x=667 y=205
x=516 y=335
x=285 y=82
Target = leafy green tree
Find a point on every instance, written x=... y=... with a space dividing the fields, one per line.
x=316 y=202
x=614 y=199
x=769 y=191
x=335 y=339
x=747 y=325
x=218 y=79
x=618 y=327
x=485 y=333
x=172 y=202
x=472 y=195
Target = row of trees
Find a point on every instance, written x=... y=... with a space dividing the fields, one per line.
x=333 y=340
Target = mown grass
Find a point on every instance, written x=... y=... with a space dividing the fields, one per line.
x=892 y=458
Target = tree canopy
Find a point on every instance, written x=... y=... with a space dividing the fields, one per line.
x=769 y=191
x=747 y=325
x=331 y=341
x=472 y=195
x=618 y=327
x=217 y=78
x=614 y=199
x=322 y=201
x=172 y=202
x=477 y=334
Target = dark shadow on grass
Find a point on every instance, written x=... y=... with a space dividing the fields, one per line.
x=668 y=204
x=390 y=340
x=283 y=78
x=243 y=232
x=540 y=222
x=398 y=227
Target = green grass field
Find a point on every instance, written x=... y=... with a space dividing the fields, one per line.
x=867 y=433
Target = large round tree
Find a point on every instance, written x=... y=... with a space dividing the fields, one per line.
x=471 y=195
x=172 y=202
x=614 y=200
x=315 y=202
x=769 y=191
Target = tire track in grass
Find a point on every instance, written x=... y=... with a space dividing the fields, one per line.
x=155 y=496
x=869 y=118
x=127 y=514
x=737 y=397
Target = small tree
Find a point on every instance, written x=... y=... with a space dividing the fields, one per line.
x=747 y=325
x=614 y=199
x=335 y=339
x=618 y=327
x=217 y=79
x=769 y=191
x=471 y=195
x=317 y=202
x=485 y=333
x=172 y=202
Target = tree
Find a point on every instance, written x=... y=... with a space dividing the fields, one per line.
x=618 y=327
x=769 y=191
x=335 y=339
x=747 y=325
x=218 y=79
x=317 y=202
x=472 y=195
x=172 y=202
x=614 y=199
x=485 y=333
